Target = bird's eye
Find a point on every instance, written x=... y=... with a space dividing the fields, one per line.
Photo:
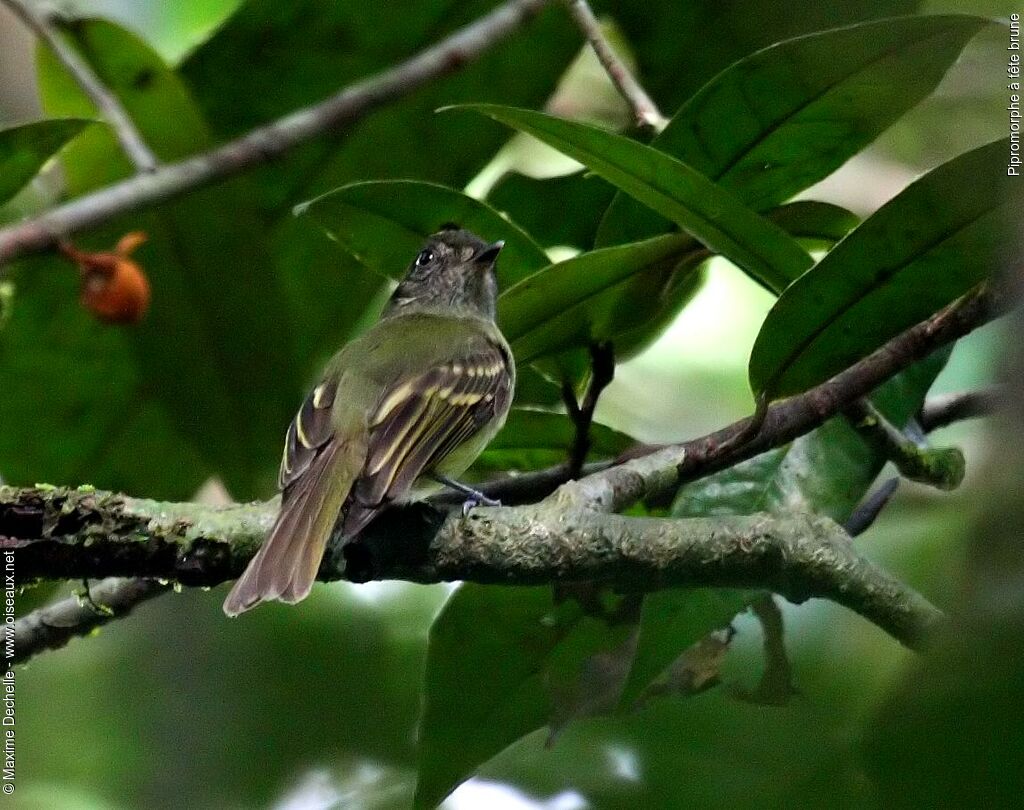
x=425 y=258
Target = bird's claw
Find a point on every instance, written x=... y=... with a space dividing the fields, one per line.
x=477 y=500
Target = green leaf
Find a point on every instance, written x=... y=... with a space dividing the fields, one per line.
x=384 y=224
x=25 y=148
x=819 y=223
x=310 y=49
x=533 y=439
x=939 y=238
x=780 y=120
x=191 y=364
x=558 y=210
x=672 y=620
x=680 y=47
x=484 y=681
x=562 y=305
x=671 y=188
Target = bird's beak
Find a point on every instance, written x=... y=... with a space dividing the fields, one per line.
x=489 y=253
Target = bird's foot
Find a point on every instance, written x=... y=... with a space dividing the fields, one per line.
x=474 y=497
x=475 y=500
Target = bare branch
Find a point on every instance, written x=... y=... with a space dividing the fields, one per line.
x=270 y=141
x=940 y=411
x=131 y=140
x=645 y=111
x=793 y=417
x=53 y=626
x=602 y=372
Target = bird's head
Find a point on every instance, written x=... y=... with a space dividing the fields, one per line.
x=454 y=270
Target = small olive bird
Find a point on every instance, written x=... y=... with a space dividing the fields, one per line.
x=400 y=411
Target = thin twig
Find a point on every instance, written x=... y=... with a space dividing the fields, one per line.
x=867 y=512
x=110 y=108
x=269 y=141
x=941 y=467
x=52 y=626
x=645 y=111
x=793 y=417
x=602 y=372
x=944 y=409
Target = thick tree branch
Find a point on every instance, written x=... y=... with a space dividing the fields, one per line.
x=75 y=534
x=106 y=102
x=568 y=537
x=645 y=111
x=270 y=141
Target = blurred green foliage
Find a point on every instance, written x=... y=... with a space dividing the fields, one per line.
x=177 y=707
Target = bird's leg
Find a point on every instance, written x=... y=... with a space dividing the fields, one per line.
x=473 y=497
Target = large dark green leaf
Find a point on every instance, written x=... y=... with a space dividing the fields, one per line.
x=384 y=224
x=25 y=148
x=671 y=188
x=214 y=356
x=940 y=237
x=680 y=47
x=309 y=49
x=562 y=305
x=558 y=210
x=484 y=684
x=74 y=408
x=534 y=439
x=785 y=117
x=670 y=621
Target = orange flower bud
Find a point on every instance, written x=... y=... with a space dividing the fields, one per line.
x=114 y=287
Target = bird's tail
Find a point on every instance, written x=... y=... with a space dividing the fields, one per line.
x=286 y=565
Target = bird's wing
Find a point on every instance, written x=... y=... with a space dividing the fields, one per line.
x=413 y=425
x=309 y=432
x=419 y=422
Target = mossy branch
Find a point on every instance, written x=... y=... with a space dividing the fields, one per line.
x=570 y=536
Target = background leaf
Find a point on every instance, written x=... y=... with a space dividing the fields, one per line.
x=672 y=189
x=944 y=234
x=385 y=223
x=215 y=294
x=562 y=305
x=786 y=117
x=25 y=148
x=310 y=49
x=483 y=687
x=540 y=206
x=534 y=439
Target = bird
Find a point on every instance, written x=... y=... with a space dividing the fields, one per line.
x=399 y=413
